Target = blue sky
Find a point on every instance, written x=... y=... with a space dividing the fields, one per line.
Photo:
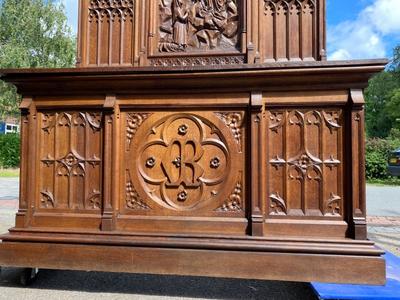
x=356 y=28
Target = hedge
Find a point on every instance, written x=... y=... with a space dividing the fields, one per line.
x=377 y=154
x=9 y=150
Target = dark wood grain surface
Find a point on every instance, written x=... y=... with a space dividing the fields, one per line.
x=196 y=138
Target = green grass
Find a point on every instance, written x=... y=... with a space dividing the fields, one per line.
x=9 y=172
x=390 y=181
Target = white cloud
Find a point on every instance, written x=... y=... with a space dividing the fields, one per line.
x=365 y=36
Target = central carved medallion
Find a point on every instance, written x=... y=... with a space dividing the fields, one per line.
x=182 y=161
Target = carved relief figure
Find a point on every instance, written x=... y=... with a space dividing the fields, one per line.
x=180 y=19
x=198 y=25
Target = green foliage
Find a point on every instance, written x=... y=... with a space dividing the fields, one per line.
x=392 y=108
x=9 y=150
x=394 y=134
x=383 y=99
x=377 y=154
x=33 y=34
x=377 y=95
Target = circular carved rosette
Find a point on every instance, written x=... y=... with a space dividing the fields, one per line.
x=185 y=161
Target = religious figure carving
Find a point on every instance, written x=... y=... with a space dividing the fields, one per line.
x=198 y=25
x=180 y=19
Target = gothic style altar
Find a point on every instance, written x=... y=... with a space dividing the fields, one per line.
x=196 y=137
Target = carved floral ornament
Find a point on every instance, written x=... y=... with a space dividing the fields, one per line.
x=183 y=161
x=198 y=25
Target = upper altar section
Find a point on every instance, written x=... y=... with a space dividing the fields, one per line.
x=199 y=32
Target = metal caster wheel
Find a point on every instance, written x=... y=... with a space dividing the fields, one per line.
x=28 y=275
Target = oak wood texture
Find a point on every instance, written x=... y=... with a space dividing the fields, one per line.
x=258 y=167
x=242 y=264
x=169 y=33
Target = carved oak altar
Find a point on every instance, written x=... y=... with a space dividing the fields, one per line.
x=196 y=138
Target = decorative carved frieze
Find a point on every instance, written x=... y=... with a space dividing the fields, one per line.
x=187 y=25
x=110 y=9
x=196 y=61
x=50 y=120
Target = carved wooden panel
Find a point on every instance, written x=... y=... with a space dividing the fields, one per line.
x=70 y=161
x=201 y=32
x=109 y=31
x=205 y=25
x=168 y=33
x=189 y=163
x=289 y=29
x=305 y=162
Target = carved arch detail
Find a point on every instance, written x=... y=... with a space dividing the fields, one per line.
x=305 y=159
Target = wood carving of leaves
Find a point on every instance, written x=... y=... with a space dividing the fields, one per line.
x=278 y=205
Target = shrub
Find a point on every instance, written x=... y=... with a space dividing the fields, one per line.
x=9 y=150
x=377 y=154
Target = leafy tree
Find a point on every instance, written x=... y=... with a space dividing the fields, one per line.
x=393 y=108
x=382 y=108
x=395 y=63
x=33 y=34
x=378 y=94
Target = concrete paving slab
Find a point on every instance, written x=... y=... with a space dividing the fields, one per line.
x=383 y=200
x=9 y=188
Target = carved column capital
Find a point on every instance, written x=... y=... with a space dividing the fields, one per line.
x=357 y=98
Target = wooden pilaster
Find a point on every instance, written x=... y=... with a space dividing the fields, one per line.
x=257 y=135
x=357 y=133
x=109 y=151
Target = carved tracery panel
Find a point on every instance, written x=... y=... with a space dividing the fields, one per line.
x=288 y=30
x=304 y=162
x=185 y=163
x=201 y=25
x=70 y=160
x=110 y=32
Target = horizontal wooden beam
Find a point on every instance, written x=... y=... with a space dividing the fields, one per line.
x=191 y=262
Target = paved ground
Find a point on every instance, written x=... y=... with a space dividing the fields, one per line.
x=383 y=227
x=93 y=285
x=383 y=200
x=9 y=188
